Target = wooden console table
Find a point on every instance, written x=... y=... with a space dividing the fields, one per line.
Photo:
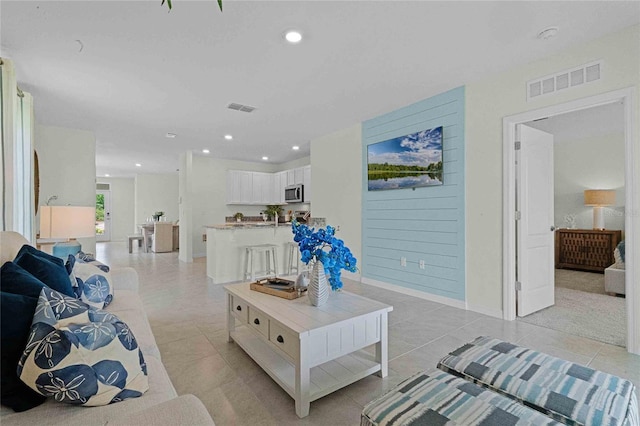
x=586 y=249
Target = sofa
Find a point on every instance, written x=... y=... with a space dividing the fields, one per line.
x=614 y=275
x=160 y=405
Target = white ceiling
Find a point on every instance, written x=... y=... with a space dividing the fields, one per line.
x=139 y=72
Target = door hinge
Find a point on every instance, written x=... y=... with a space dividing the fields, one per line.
x=518 y=215
x=517 y=145
x=518 y=286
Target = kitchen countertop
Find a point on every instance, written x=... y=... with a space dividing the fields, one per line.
x=248 y=225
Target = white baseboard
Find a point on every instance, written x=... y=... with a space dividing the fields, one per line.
x=199 y=255
x=496 y=313
x=416 y=293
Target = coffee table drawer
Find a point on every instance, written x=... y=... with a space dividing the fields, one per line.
x=284 y=339
x=239 y=309
x=259 y=321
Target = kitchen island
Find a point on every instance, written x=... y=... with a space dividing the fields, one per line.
x=226 y=248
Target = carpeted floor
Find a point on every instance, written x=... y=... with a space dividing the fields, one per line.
x=591 y=282
x=590 y=314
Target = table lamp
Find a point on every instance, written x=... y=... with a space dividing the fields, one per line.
x=599 y=198
x=67 y=222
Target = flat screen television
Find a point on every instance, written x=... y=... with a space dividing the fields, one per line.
x=409 y=161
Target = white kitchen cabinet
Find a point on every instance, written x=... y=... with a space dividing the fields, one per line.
x=298 y=176
x=246 y=186
x=280 y=183
x=236 y=186
x=291 y=180
x=263 y=188
x=267 y=189
x=239 y=187
x=259 y=188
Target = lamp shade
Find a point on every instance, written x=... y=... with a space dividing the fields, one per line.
x=67 y=222
x=599 y=197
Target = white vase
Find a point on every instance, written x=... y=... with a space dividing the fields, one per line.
x=318 y=290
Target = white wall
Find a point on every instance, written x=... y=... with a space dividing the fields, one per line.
x=337 y=184
x=122 y=207
x=156 y=192
x=581 y=138
x=582 y=164
x=300 y=162
x=504 y=94
x=9 y=94
x=67 y=159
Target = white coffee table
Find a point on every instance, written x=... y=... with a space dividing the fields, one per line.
x=309 y=351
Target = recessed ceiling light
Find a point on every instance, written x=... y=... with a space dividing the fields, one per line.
x=293 y=36
x=265 y=158
x=295 y=147
x=171 y=135
x=205 y=151
x=228 y=137
x=107 y=175
x=547 y=33
x=138 y=165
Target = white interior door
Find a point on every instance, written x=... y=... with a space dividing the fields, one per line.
x=535 y=230
x=103 y=221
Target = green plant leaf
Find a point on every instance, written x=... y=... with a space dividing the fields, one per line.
x=168 y=3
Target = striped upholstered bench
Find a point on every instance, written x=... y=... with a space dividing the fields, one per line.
x=567 y=392
x=435 y=398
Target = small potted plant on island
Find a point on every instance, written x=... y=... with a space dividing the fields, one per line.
x=157 y=216
x=273 y=211
x=238 y=216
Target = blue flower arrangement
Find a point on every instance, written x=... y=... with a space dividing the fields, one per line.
x=312 y=245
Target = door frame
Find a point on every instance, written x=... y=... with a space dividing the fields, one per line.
x=632 y=235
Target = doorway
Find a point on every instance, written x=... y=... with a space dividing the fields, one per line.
x=510 y=252
x=103 y=214
x=588 y=151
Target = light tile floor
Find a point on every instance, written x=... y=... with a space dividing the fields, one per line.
x=187 y=315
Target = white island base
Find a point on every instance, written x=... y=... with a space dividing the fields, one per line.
x=309 y=351
x=226 y=249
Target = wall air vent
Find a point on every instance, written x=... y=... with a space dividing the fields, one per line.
x=240 y=107
x=563 y=80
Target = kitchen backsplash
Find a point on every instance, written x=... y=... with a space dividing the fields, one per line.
x=319 y=222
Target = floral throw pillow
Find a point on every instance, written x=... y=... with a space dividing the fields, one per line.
x=88 y=258
x=81 y=355
x=92 y=285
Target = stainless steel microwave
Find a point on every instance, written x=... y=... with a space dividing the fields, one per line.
x=294 y=194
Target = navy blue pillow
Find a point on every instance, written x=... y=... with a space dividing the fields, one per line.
x=15 y=280
x=39 y=253
x=53 y=274
x=16 y=313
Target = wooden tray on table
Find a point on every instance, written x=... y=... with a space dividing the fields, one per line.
x=277 y=287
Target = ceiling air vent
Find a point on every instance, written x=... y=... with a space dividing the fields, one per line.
x=240 y=107
x=564 y=80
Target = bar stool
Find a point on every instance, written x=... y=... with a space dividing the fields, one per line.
x=271 y=269
x=293 y=256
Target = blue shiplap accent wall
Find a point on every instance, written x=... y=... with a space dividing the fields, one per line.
x=426 y=223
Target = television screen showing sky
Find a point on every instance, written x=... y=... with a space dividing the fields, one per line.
x=417 y=149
